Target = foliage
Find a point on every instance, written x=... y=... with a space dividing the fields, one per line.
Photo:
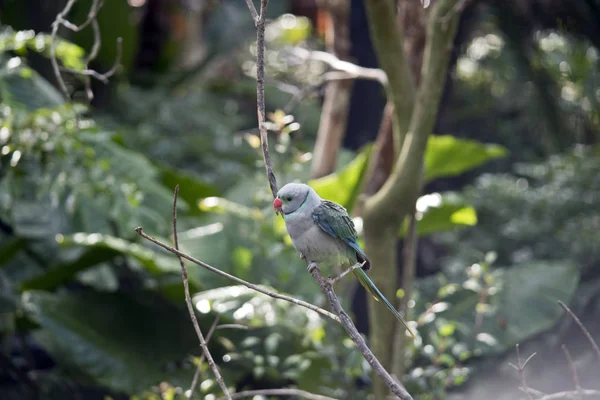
x=74 y=277
x=556 y=200
x=107 y=311
x=537 y=228
x=531 y=93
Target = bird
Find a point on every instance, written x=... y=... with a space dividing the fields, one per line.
x=323 y=233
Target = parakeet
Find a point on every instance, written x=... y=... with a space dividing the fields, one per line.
x=323 y=232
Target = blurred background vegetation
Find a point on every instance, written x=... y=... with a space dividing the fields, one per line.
x=508 y=221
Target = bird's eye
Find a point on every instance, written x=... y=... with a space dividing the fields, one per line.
x=289 y=198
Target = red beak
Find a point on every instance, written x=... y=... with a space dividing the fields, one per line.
x=277 y=204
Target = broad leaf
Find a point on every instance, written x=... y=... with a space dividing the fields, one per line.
x=344 y=186
x=437 y=213
x=99 y=248
x=447 y=155
x=125 y=342
x=191 y=189
x=10 y=248
x=64 y=272
x=27 y=88
x=155 y=263
x=528 y=301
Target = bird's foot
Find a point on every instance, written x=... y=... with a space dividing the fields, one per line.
x=344 y=273
x=311 y=266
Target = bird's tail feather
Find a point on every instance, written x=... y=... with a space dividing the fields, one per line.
x=377 y=295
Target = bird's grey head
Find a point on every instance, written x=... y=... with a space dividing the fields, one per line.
x=291 y=197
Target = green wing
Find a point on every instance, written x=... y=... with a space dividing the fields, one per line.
x=334 y=219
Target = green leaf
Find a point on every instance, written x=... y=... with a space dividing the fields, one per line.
x=99 y=248
x=191 y=189
x=447 y=155
x=64 y=272
x=125 y=342
x=528 y=301
x=344 y=186
x=34 y=220
x=524 y=303
x=27 y=88
x=154 y=262
x=10 y=249
x=437 y=213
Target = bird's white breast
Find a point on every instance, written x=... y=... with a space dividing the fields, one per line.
x=314 y=243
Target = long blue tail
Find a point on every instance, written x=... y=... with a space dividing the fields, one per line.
x=377 y=295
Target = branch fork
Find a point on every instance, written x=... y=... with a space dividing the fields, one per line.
x=61 y=20
x=579 y=392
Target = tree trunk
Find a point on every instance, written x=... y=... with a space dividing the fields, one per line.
x=414 y=118
x=337 y=94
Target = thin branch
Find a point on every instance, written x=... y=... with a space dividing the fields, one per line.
x=280 y=392
x=97 y=42
x=457 y=9
x=117 y=62
x=91 y=17
x=520 y=367
x=199 y=367
x=190 y=306
x=260 y=91
x=61 y=20
x=347 y=323
x=582 y=327
x=53 y=60
x=572 y=368
x=249 y=285
x=233 y=326
x=252 y=11
x=346 y=272
x=97 y=75
x=569 y=395
x=343 y=69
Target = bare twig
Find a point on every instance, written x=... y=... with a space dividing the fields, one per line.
x=91 y=17
x=249 y=285
x=199 y=367
x=347 y=323
x=61 y=20
x=350 y=70
x=582 y=327
x=97 y=75
x=457 y=9
x=209 y=335
x=53 y=60
x=233 y=326
x=578 y=393
x=190 y=306
x=253 y=11
x=260 y=22
x=568 y=395
x=520 y=367
x=572 y=368
x=280 y=392
x=346 y=272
